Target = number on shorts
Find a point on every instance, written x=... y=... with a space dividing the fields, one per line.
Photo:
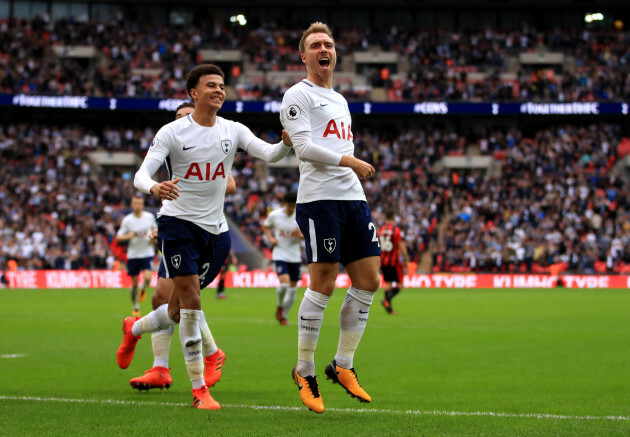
x=205 y=268
x=374 y=237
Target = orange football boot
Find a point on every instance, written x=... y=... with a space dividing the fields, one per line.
x=280 y=317
x=156 y=377
x=348 y=379
x=127 y=348
x=309 y=391
x=212 y=367
x=203 y=400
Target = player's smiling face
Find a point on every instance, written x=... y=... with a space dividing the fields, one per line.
x=320 y=57
x=210 y=91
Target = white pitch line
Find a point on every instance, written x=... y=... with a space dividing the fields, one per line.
x=538 y=416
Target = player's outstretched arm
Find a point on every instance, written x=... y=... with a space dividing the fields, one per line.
x=269 y=152
x=286 y=139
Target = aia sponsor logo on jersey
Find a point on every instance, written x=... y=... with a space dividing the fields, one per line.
x=339 y=130
x=205 y=171
x=286 y=234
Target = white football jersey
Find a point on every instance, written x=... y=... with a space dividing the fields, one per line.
x=140 y=246
x=324 y=113
x=202 y=158
x=223 y=227
x=283 y=226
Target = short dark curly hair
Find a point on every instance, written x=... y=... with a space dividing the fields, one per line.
x=185 y=105
x=290 y=197
x=192 y=79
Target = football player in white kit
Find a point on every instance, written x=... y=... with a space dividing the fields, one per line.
x=159 y=375
x=135 y=229
x=286 y=254
x=199 y=150
x=333 y=215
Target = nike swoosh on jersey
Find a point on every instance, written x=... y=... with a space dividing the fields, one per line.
x=308 y=320
x=323 y=104
x=188 y=148
x=363 y=312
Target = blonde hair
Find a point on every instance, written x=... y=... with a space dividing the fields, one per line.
x=316 y=27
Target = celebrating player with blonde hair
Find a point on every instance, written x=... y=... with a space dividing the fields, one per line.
x=333 y=215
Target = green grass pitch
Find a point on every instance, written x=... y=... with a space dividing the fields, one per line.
x=450 y=362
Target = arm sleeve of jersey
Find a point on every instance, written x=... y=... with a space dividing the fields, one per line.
x=295 y=117
x=267 y=152
x=123 y=228
x=308 y=151
x=159 y=150
x=260 y=149
x=268 y=221
x=143 y=179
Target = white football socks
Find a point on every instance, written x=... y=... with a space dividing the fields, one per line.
x=353 y=318
x=161 y=342
x=281 y=290
x=288 y=301
x=209 y=346
x=190 y=338
x=310 y=317
x=154 y=321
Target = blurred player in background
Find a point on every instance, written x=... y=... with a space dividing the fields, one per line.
x=230 y=261
x=159 y=375
x=392 y=248
x=199 y=150
x=333 y=215
x=286 y=253
x=135 y=230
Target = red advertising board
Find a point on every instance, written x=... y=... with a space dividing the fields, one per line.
x=266 y=279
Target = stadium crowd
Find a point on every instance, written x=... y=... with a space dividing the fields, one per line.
x=133 y=58
x=558 y=199
x=558 y=203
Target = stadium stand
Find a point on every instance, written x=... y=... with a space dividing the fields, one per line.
x=559 y=198
x=540 y=195
x=126 y=58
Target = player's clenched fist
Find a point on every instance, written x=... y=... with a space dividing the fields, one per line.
x=361 y=168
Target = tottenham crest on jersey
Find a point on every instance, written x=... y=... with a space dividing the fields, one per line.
x=293 y=112
x=330 y=244
x=226 y=146
x=176 y=260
